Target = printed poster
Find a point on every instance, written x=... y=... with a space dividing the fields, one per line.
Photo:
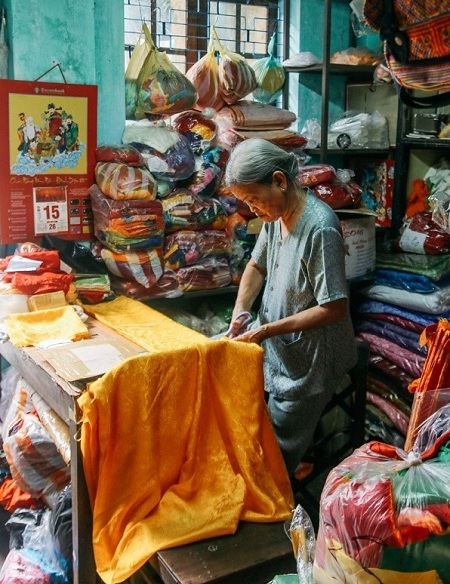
x=48 y=162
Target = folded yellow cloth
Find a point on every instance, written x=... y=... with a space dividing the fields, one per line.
x=30 y=328
x=177 y=444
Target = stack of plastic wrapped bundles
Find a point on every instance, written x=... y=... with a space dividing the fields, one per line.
x=411 y=290
x=35 y=486
x=129 y=223
x=188 y=166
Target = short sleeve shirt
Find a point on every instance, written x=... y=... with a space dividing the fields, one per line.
x=306 y=268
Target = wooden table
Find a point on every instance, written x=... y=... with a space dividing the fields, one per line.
x=256 y=553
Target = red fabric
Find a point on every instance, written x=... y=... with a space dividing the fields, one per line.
x=437 y=241
x=315 y=174
x=49 y=258
x=41 y=283
x=338 y=195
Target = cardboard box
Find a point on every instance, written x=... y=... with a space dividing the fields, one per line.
x=360 y=244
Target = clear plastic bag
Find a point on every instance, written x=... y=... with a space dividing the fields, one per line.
x=161 y=88
x=384 y=510
x=120 y=181
x=303 y=541
x=359 y=130
x=204 y=75
x=236 y=77
x=270 y=76
x=166 y=152
x=137 y=60
x=440 y=209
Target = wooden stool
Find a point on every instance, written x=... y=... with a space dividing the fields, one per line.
x=256 y=553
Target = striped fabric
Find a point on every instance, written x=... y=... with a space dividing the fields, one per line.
x=426 y=23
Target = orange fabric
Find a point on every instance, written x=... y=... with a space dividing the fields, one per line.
x=417 y=200
x=12 y=497
x=435 y=375
x=177 y=443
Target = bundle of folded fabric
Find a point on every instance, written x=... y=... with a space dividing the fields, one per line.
x=384 y=514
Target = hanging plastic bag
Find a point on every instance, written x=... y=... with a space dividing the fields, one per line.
x=204 y=75
x=270 y=76
x=137 y=60
x=161 y=87
x=3 y=47
x=236 y=77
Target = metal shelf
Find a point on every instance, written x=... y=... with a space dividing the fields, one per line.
x=358 y=71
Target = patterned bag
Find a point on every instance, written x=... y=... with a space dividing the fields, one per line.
x=416 y=35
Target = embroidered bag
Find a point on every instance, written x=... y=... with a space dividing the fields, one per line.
x=416 y=35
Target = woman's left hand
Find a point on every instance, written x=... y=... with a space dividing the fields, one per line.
x=255 y=335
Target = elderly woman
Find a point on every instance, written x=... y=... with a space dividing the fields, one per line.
x=303 y=321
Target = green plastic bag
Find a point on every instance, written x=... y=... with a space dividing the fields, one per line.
x=270 y=76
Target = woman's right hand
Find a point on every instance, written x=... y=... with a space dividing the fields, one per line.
x=239 y=325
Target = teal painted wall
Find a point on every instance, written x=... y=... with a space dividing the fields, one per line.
x=85 y=38
x=307 y=19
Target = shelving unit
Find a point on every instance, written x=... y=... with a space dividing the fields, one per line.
x=404 y=148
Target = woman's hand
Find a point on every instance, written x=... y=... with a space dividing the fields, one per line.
x=239 y=324
x=256 y=335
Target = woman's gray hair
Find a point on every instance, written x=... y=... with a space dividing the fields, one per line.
x=255 y=160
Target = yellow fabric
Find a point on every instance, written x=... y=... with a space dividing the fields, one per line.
x=177 y=444
x=339 y=567
x=30 y=328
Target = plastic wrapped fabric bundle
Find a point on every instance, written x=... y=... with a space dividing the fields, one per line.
x=437 y=302
x=204 y=75
x=384 y=512
x=408 y=281
x=127 y=224
x=186 y=247
x=434 y=267
x=198 y=128
x=184 y=210
x=270 y=76
x=236 y=77
x=205 y=179
x=205 y=275
x=167 y=154
x=399 y=335
x=431 y=387
x=143 y=266
x=165 y=287
x=123 y=153
x=120 y=181
x=421 y=234
x=53 y=424
x=161 y=88
x=36 y=465
x=410 y=362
